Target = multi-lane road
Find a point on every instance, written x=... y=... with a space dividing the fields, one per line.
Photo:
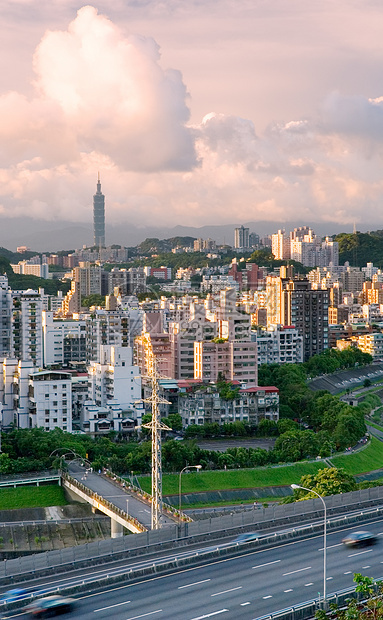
x=243 y=587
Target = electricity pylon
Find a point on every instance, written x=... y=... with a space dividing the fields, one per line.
x=156 y=426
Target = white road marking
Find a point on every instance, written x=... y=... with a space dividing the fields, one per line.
x=110 y=606
x=243 y=604
x=309 y=584
x=296 y=571
x=144 y=615
x=267 y=564
x=359 y=553
x=289 y=590
x=269 y=596
x=348 y=572
x=225 y=591
x=331 y=546
x=196 y=583
x=368 y=566
x=328 y=578
x=215 y=613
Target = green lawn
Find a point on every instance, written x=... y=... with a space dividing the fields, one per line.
x=32 y=497
x=374 y=425
x=360 y=462
x=195 y=482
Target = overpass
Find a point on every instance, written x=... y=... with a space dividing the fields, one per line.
x=127 y=506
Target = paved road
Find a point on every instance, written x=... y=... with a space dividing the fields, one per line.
x=240 y=588
x=118 y=496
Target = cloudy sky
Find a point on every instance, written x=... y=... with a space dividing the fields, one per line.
x=197 y=112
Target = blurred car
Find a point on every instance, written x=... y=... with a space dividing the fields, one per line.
x=16 y=594
x=50 y=606
x=247 y=537
x=360 y=539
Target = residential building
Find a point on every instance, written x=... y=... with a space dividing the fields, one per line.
x=50 y=400
x=6 y=305
x=372 y=344
x=27 y=335
x=251 y=406
x=279 y=345
x=241 y=238
x=280 y=245
x=234 y=361
x=64 y=340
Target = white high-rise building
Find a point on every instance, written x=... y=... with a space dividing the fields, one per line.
x=5 y=317
x=50 y=400
x=27 y=334
x=64 y=340
x=280 y=245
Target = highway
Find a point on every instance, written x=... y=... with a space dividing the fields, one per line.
x=243 y=587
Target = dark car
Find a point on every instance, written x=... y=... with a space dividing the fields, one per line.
x=247 y=537
x=50 y=606
x=360 y=539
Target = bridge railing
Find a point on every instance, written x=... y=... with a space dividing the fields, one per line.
x=104 y=502
x=140 y=494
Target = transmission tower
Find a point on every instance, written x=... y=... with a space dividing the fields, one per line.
x=156 y=426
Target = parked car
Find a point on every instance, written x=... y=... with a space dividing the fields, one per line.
x=247 y=537
x=360 y=539
x=50 y=606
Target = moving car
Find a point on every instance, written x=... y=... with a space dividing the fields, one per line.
x=16 y=594
x=247 y=537
x=50 y=606
x=360 y=539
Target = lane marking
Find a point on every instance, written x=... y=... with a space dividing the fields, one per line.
x=348 y=572
x=296 y=571
x=226 y=591
x=196 y=583
x=215 y=613
x=328 y=578
x=331 y=547
x=150 y=613
x=368 y=566
x=269 y=596
x=110 y=606
x=289 y=590
x=359 y=553
x=243 y=604
x=267 y=564
x=309 y=584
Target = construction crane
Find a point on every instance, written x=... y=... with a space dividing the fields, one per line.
x=156 y=426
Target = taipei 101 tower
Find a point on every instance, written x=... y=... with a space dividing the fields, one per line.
x=99 y=216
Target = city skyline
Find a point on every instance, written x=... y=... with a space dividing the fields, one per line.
x=274 y=114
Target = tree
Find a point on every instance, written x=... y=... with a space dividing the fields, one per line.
x=328 y=481
x=370 y=607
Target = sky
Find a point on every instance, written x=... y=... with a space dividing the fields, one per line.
x=194 y=113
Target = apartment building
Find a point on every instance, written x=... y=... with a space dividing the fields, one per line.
x=50 y=400
x=279 y=345
x=252 y=405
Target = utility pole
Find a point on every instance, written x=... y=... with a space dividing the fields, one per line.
x=156 y=426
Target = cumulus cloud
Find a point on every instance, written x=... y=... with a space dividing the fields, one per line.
x=103 y=101
x=97 y=90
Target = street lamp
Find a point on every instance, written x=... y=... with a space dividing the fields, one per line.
x=296 y=486
x=179 y=486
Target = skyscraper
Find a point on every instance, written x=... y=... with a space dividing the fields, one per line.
x=241 y=238
x=99 y=216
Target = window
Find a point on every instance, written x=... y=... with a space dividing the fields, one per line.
x=55 y=420
x=55 y=403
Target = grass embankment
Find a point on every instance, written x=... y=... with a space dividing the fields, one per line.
x=233 y=479
x=378 y=427
x=31 y=497
x=363 y=461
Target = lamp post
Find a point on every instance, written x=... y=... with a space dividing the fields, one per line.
x=296 y=486
x=179 y=485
